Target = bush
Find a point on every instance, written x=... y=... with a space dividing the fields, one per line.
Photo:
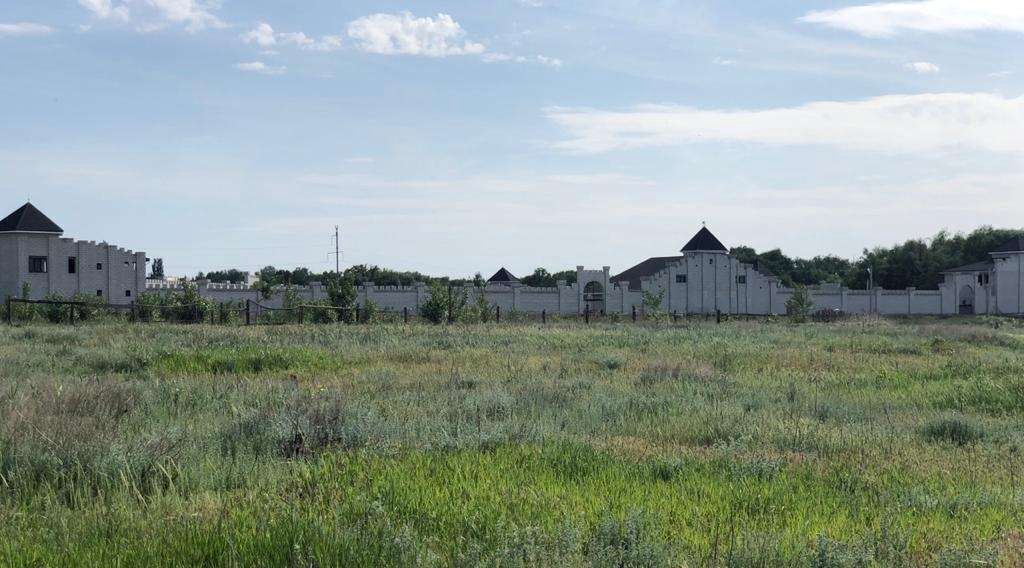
x=55 y=313
x=371 y=311
x=481 y=311
x=652 y=305
x=89 y=307
x=953 y=430
x=343 y=295
x=444 y=302
x=799 y=306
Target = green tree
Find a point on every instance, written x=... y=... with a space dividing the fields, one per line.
x=799 y=305
x=157 y=270
x=446 y=303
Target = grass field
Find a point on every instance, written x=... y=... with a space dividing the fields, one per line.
x=862 y=443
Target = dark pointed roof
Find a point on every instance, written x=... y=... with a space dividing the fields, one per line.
x=503 y=275
x=704 y=241
x=28 y=219
x=1015 y=244
x=647 y=268
x=983 y=266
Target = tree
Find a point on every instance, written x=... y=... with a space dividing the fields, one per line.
x=445 y=303
x=541 y=278
x=653 y=304
x=799 y=305
x=157 y=270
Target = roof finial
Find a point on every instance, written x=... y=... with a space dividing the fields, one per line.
x=703 y=223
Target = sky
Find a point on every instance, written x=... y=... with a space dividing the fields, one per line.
x=461 y=136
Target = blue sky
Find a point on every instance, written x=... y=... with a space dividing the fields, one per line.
x=455 y=137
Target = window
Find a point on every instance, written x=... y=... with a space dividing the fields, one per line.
x=680 y=279
x=741 y=279
x=711 y=260
x=37 y=264
x=99 y=266
x=127 y=293
x=983 y=279
x=72 y=265
x=99 y=293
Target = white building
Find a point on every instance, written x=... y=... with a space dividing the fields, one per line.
x=34 y=254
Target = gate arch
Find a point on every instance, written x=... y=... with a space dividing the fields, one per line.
x=593 y=297
x=966 y=301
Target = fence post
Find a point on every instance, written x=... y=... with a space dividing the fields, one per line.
x=248 y=310
x=405 y=314
x=634 y=313
x=675 y=317
x=357 y=314
x=497 y=314
x=302 y=314
x=10 y=312
x=586 y=314
x=718 y=316
x=543 y=316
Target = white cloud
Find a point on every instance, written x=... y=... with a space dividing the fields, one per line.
x=260 y=67
x=24 y=29
x=151 y=15
x=105 y=9
x=933 y=16
x=923 y=67
x=264 y=35
x=404 y=34
x=725 y=62
x=898 y=124
x=194 y=15
x=497 y=57
x=552 y=62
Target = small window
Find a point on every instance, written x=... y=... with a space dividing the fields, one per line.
x=711 y=260
x=680 y=279
x=741 y=279
x=99 y=266
x=127 y=293
x=72 y=265
x=37 y=264
x=99 y=293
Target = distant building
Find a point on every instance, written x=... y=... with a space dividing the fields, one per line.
x=33 y=252
x=703 y=279
x=503 y=278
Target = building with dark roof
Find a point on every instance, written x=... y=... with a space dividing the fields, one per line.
x=35 y=257
x=28 y=219
x=504 y=277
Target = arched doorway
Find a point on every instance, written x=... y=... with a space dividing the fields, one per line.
x=967 y=301
x=593 y=298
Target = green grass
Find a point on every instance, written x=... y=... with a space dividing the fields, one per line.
x=862 y=443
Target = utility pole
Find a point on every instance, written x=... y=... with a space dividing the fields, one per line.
x=337 y=250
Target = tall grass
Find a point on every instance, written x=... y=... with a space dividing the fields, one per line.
x=851 y=444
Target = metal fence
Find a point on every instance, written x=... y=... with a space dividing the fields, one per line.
x=253 y=313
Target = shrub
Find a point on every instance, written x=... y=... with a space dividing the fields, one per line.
x=444 y=303
x=481 y=310
x=147 y=306
x=953 y=430
x=799 y=305
x=371 y=311
x=652 y=305
x=343 y=295
x=89 y=307
x=55 y=313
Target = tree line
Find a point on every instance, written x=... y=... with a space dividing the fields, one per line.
x=915 y=263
